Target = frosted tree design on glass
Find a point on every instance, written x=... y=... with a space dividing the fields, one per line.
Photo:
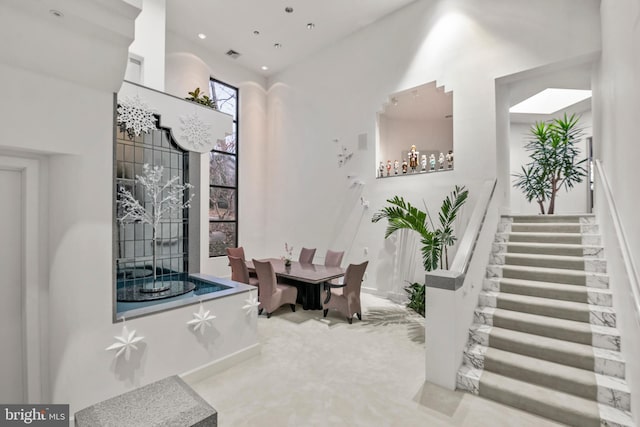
x=160 y=199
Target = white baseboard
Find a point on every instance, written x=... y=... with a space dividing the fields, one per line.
x=374 y=291
x=222 y=364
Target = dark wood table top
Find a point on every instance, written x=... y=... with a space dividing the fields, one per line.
x=309 y=273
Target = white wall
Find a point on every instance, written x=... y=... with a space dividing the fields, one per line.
x=336 y=94
x=567 y=202
x=616 y=115
x=188 y=66
x=149 y=42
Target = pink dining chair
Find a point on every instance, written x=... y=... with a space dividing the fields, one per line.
x=333 y=259
x=272 y=294
x=236 y=252
x=240 y=272
x=345 y=297
x=306 y=256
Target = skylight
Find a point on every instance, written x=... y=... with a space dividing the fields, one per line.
x=550 y=101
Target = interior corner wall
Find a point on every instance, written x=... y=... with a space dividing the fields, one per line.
x=149 y=43
x=189 y=66
x=398 y=135
x=616 y=115
x=336 y=94
x=572 y=201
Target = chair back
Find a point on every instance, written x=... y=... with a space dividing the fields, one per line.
x=333 y=259
x=239 y=270
x=236 y=252
x=306 y=256
x=266 y=279
x=353 y=278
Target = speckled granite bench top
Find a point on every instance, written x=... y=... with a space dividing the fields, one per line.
x=168 y=402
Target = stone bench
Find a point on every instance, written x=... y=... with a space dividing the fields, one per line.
x=168 y=402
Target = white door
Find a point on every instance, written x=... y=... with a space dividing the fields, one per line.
x=11 y=330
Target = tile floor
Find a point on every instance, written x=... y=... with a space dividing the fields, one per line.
x=325 y=372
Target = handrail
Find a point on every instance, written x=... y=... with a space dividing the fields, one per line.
x=453 y=278
x=468 y=242
x=624 y=247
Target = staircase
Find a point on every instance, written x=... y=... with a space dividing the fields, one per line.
x=544 y=337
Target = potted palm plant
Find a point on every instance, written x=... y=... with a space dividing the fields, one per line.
x=554 y=162
x=435 y=240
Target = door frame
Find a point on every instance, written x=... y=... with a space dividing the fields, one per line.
x=30 y=170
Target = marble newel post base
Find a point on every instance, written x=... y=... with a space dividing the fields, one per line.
x=443 y=357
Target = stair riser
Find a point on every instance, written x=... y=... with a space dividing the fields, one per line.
x=580 y=219
x=548 y=228
x=601 y=362
x=580 y=294
x=548 y=249
x=578 y=278
x=595 y=338
x=604 y=391
x=593 y=316
x=588 y=265
x=562 y=239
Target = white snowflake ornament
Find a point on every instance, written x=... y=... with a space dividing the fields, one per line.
x=252 y=304
x=201 y=320
x=125 y=342
x=194 y=131
x=135 y=117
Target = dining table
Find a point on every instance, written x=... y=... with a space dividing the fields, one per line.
x=308 y=278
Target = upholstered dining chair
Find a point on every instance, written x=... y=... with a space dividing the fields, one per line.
x=345 y=297
x=240 y=272
x=272 y=294
x=306 y=256
x=333 y=259
x=236 y=252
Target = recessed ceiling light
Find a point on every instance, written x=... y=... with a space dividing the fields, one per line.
x=550 y=101
x=311 y=26
x=264 y=68
x=288 y=9
x=56 y=13
x=256 y=33
x=202 y=36
x=277 y=45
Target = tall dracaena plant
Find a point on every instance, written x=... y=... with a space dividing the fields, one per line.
x=403 y=215
x=554 y=161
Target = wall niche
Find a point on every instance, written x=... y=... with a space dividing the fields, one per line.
x=419 y=118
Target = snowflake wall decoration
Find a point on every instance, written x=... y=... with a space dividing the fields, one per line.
x=252 y=304
x=201 y=320
x=125 y=342
x=195 y=131
x=135 y=117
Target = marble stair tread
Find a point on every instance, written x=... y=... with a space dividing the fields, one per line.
x=563 y=249
x=554 y=261
x=568 y=379
x=569 y=310
x=584 y=294
x=553 y=275
x=568 y=330
x=546 y=402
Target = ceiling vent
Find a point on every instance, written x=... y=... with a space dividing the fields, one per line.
x=232 y=53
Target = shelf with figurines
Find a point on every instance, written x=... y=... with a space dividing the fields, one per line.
x=414 y=163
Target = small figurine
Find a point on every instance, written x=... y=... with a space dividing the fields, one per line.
x=450 y=159
x=388 y=167
x=396 y=165
x=423 y=161
x=381 y=170
x=432 y=161
x=413 y=158
x=441 y=161
x=404 y=166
